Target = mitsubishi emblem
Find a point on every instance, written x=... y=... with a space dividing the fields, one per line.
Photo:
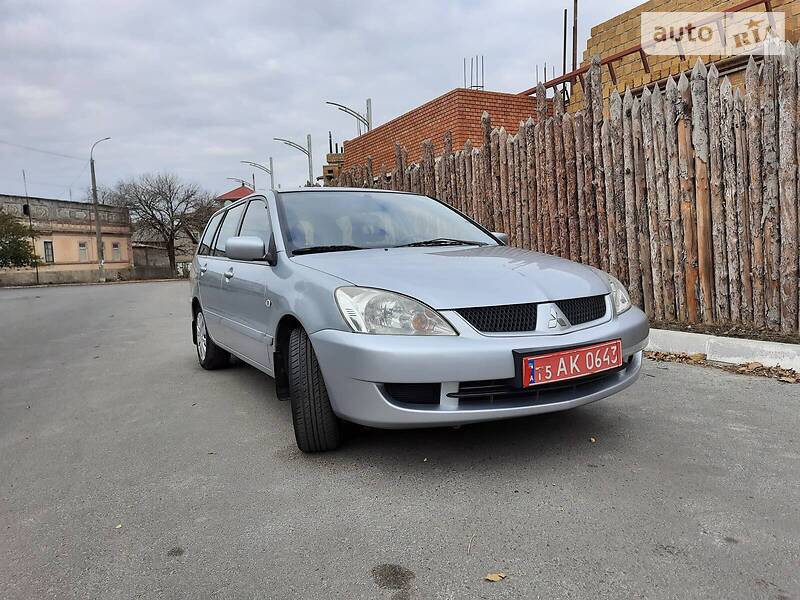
x=556 y=319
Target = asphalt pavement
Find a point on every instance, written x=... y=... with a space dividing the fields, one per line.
x=126 y=471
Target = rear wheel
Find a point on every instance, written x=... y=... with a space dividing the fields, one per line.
x=316 y=427
x=209 y=354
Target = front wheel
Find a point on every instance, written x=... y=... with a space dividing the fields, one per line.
x=316 y=427
x=209 y=355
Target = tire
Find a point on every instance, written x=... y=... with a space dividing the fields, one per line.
x=316 y=427
x=209 y=355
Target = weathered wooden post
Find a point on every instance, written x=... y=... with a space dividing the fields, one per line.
x=673 y=186
x=494 y=175
x=551 y=214
x=580 y=182
x=469 y=199
x=502 y=141
x=531 y=152
x=561 y=183
x=615 y=134
x=769 y=142
x=486 y=171
x=594 y=77
x=571 y=188
x=728 y=143
x=743 y=206
x=611 y=207
x=641 y=208
x=753 y=116
x=428 y=165
x=787 y=108
x=705 y=251
x=631 y=234
x=688 y=211
x=718 y=224
x=522 y=151
x=664 y=231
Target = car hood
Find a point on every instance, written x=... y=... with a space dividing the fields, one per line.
x=459 y=277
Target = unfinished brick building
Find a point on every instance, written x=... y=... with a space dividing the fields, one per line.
x=458 y=111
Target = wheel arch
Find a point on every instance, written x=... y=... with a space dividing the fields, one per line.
x=195 y=310
x=284 y=329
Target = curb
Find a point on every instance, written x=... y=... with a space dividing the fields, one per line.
x=60 y=285
x=727 y=350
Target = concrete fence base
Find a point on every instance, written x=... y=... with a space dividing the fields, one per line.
x=725 y=349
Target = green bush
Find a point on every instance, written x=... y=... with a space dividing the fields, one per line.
x=16 y=249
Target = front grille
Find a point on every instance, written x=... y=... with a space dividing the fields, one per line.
x=501 y=319
x=583 y=310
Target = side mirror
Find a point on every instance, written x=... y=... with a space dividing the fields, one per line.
x=246 y=247
x=503 y=237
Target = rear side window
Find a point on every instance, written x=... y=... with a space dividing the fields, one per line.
x=228 y=229
x=211 y=228
x=256 y=221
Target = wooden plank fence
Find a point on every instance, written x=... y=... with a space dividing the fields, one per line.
x=688 y=194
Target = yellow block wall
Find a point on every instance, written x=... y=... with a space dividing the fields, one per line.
x=624 y=31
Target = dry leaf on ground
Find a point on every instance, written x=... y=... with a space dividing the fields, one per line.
x=751 y=368
x=495 y=577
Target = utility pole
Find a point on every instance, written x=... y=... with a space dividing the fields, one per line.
x=101 y=259
x=26 y=209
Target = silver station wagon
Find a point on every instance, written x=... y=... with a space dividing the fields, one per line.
x=394 y=310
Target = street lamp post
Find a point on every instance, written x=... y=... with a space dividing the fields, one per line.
x=366 y=120
x=244 y=182
x=270 y=170
x=101 y=259
x=306 y=151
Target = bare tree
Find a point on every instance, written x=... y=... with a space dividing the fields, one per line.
x=167 y=208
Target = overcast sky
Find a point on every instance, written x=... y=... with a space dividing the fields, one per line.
x=194 y=90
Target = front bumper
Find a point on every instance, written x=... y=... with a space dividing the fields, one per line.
x=356 y=365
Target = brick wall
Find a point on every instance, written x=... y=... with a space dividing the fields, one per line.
x=458 y=111
x=624 y=31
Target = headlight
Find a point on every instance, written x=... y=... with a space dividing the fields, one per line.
x=619 y=295
x=377 y=311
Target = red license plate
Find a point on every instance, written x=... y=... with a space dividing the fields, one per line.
x=571 y=364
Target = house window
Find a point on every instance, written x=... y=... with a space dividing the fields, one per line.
x=48 y=252
x=83 y=252
x=115 y=252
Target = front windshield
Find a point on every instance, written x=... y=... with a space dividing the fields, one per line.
x=348 y=220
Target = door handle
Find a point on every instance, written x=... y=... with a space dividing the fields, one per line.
x=229 y=274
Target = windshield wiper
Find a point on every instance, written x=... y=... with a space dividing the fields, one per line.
x=332 y=248
x=443 y=242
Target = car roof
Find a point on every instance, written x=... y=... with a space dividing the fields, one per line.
x=340 y=189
